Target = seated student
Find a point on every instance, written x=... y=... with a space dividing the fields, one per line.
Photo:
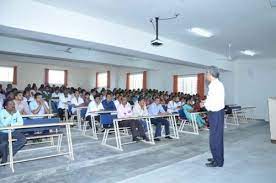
x=2 y=98
x=173 y=105
x=118 y=101
x=63 y=103
x=93 y=94
x=9 y=88
x=10 y=95
x=10 y=117
x=20 y=104
x=108 y=104
x=188 y=108
x=94 y=106
x=55 y=99
x=76 y=101
x=124 y=111
x=28 y=97
x=182 y=102
x=140 y=109
x=86 y=99
x=156 y=109
x=39 y=106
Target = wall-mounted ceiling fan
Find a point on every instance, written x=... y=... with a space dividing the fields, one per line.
x=229 y=56
x=68 y=50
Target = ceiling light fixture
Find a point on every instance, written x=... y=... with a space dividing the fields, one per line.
x=248 y=52
x=201 y=32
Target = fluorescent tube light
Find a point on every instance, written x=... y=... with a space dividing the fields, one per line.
x=248 y=52
x=201 y=32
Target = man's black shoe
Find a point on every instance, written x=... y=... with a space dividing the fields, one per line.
x=146 y=138
x=157 y=139
x=212 y=165
x=136 y=139
x=168 y=137
x=210 y=159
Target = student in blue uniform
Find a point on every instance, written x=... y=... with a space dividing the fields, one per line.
x=108 y=104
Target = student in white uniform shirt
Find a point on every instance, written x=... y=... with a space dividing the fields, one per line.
x=140 y=109
x=118 y=101
x=76 y=101
x=173 y=105
x=39 y=106
x=55 y=99
x=63 y=104
x=94 y=106
x=21 y=105
x=28 y=97
x=137 y=129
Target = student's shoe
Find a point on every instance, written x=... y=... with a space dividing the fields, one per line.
x=157 y=139
x=146 y=138
x=210 y=159
x=213 y=164
x=136 y=139
x=168 y=137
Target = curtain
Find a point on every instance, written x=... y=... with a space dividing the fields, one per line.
x=108 y=79
x=175 y=83
x=200 y=85
x=14 y=75
x=127 y=80
x=145 y=80
x=97 y=75
x=65 y=77
x=46 y=77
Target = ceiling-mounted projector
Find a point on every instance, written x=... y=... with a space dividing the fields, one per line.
x=156 y=42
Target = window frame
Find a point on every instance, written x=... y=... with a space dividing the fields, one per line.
x=64 y=77
x=142 y=81
x=98 y=77
x=187 y=76
x=14 y=74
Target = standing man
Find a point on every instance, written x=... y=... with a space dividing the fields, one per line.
x=215 y=106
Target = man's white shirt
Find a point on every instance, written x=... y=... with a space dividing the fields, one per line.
x=216 y=96
x=93 y=107
x=76 y=102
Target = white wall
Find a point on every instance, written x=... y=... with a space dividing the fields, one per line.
x=78 y=75
x=254 y=82
x=84 y=74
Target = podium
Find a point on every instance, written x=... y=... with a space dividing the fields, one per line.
x=272 y=118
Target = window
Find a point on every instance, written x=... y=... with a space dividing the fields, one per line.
x=56 y=77
x=136 y=81
x=187 y=84
x=6 y=74
x=101 y=80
